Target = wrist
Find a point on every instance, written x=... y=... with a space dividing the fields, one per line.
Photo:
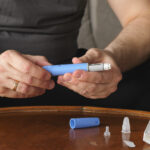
x=111 y=54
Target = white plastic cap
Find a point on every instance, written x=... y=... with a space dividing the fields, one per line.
x=126 y=125
x=146 y=136
x=107 y=66
x=129 y=143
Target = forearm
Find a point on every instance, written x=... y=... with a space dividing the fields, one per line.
x=132 y=46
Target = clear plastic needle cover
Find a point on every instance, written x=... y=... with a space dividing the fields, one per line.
x=126 y=125
x=146 y=136
x=129 y=143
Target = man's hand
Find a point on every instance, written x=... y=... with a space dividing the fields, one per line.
x=93 y=85
x=27 y=70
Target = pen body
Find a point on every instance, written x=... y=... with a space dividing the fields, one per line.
x=57 y=70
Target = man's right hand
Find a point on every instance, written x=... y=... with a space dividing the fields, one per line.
x=27 y=71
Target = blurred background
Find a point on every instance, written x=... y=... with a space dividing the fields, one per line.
x=99 y=25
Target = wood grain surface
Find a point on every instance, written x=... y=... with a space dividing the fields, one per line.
x=47 y=128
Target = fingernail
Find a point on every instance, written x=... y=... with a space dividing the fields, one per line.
x=78 y=75
x=67 y=78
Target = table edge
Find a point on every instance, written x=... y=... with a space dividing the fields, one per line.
x=83 y=109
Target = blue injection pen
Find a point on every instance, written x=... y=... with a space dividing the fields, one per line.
x=57 y=70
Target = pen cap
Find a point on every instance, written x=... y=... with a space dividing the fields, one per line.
x=84 y=122
x=146 y=136
x=126 y=125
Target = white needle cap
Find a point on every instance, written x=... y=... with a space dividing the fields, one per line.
x=146 y=136
x=129 y=143
x=126 y=125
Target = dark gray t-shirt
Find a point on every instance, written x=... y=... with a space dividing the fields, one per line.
x=41 y=27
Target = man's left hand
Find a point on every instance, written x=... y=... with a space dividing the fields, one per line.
x=93 y=85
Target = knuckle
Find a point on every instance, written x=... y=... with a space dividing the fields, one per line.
x=85 y=76
x=27 y=67
x=29 y=80
x=88 y=91
x=44 y=74
x=94 y=52
x=44 y=84
x=82 y=92
x=43 y=58
x=92 y=88
x=24 y=88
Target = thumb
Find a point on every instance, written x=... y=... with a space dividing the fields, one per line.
x=91 y=56
x=38 y=60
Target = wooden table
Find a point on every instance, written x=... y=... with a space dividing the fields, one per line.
x=47 y=128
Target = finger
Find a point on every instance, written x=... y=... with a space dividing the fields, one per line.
x=107 y=91
x=28 y=90
x=4 y=92
x=26 y=78
x=24 y=65
x=92 y=56
x=67 y=78
x=39 y=60
x=93 y=77
x=84 y=87
x=21 y=87
x=76 y=60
